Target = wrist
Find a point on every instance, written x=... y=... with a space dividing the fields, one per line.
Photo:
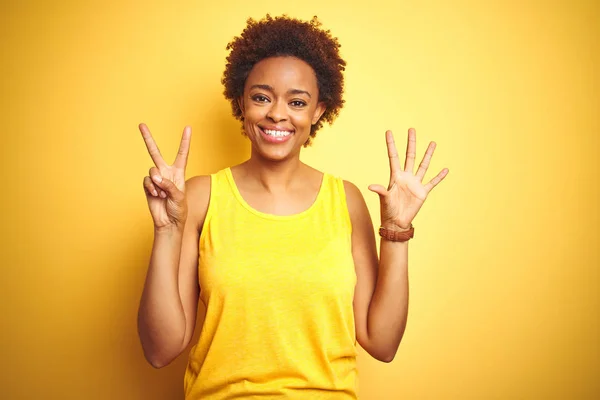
x=396 y=227
x=169 y=230
x=397 y=235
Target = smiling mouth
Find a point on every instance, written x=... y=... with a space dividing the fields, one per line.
x=276 y=132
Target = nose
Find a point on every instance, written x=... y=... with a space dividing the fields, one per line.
x=278 y=111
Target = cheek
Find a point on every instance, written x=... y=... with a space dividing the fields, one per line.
x=302 y=118
x=254 y=113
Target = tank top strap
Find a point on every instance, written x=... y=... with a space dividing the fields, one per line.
x=334 y=200
x=218 y=193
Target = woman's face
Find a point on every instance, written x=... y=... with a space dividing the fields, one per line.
x=280 y=104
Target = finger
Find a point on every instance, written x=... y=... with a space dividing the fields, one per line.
x=155 y=174
x=437 y=179
x=411 y=150
x=169 y=188
x=380 y=190
x=149 y=187
x=392 y=153
x=151 y=146
x=184 y=148
x=426 y=160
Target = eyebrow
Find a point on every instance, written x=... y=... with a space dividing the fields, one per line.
x=291 y=91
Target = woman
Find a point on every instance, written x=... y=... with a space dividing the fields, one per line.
x=283 y=256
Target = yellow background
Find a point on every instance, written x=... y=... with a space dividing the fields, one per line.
x=504 y=266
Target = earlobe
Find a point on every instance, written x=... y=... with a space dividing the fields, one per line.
x=318 y=112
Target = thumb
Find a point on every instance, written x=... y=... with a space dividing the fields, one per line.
x=169 y=187
x=380 y=190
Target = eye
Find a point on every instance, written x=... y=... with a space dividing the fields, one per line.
x=298 y=103
x=260 y=98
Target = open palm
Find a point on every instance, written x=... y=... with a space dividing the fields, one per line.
x=406 y=193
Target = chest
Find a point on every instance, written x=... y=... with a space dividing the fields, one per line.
x=281 y=261
x=282 y=203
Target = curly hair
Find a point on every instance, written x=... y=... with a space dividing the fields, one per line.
x=285 y=36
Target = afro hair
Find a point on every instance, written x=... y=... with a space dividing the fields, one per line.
x=285 y=36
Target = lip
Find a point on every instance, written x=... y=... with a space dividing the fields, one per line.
x=275 y=139
x=276 y=128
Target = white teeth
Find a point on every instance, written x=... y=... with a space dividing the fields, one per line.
x=272 y=132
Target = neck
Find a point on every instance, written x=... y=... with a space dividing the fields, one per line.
x=274 y=176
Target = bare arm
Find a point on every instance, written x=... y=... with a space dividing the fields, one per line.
x=381 y=294
x=167 y=313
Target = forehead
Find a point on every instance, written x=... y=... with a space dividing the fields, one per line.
x=283 y=73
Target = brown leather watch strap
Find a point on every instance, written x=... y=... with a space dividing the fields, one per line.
x=397 y=236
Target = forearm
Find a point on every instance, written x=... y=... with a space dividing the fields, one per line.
x=161 y=317
x=389 y=305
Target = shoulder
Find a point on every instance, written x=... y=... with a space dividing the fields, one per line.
x=198 y=184
x=362 y=226
x=354 y=198
x=197 y=192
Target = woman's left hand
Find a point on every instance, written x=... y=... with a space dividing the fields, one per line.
x=406 y=193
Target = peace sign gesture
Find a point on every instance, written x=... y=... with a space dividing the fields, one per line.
x=405 y=193
x=165 y=185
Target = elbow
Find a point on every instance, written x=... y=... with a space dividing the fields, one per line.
x=157 y=360
x=384 y=354
x=157 y=363
x=158 y=354
x=387 y=358
x=381 y=350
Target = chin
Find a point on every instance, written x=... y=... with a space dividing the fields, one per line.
x=274 y=154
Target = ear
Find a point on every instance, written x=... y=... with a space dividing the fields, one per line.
x=318 y=112
x=240 y=101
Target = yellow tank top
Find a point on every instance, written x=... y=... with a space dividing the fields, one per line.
x=278 y=292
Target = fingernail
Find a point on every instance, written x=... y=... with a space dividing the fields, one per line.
x=157 y=178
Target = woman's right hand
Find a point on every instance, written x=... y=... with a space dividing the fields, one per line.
x=165 y=184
